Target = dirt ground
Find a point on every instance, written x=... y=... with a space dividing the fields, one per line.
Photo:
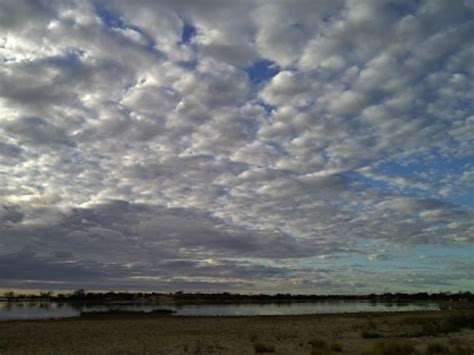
x=413 y=332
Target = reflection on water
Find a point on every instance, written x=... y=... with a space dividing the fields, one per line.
x=36 y=310
x=46 y=310
x=322 y=307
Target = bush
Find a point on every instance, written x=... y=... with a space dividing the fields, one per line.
x=261 y=347
x=461 y=350
x=3 y=345
x=371 y=334
x=336 y=347
x=436 y=348
x=394 y=348
x=319 y=347
x=452 y=323
x=318 y=343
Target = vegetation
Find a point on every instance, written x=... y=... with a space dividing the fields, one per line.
x=321 y=347
x=137 y=333
x=452 y=323
x=448 y=300
x=253 y=337
x=371 y=334
x=403 y=347
x=461 y=350
x=392 y=348
x=437 y=348
x=262 y=347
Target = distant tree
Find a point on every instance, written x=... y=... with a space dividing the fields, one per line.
x=81 y=293
x=10 y=295
x=46 y=295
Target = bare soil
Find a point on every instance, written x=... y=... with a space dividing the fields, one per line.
x=307 y=334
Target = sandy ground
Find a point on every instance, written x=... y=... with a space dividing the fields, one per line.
x=347 y=334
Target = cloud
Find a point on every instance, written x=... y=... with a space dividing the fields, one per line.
x=37 y=131
x=203 y=144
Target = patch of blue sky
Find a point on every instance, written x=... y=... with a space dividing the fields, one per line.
x=460 y=252
x=434 y=169
x=364 y=242
x=466 y=199
x=187 y=34
x=112 y=19
x=268 y=108
x=434 y=162
x=189 y=31
x=385 y=262
x=429 y=256
x=109 y=18
x=261 y=71
x=375 y=183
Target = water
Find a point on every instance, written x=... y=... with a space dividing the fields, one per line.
x=30 y=310
x=321 y=307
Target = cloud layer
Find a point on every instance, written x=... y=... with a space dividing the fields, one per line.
x=245 y=146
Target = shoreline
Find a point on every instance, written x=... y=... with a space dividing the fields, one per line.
x=348 y=333
x=145 y=315
x=81 y=310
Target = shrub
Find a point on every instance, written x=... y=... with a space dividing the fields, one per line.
x=461 y=350
x=261 y=347
x=336 y=347
x=3 y=345
x=318 y=343
x=452 y=323
x=371 y=334
x=460 y=320
x=436 y=348
x=393 y=348
x=319 y=347
x=253 y=337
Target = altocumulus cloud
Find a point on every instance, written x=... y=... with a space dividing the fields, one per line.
x=304 y=146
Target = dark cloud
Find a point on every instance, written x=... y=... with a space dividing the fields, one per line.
x=25 y=265
x=38 y=131
x=10 y=150
x=10 y=214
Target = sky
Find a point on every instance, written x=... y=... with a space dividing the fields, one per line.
x=247 y=146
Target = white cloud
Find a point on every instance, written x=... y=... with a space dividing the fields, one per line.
x=104 y=101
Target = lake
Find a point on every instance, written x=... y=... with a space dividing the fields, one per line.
x=46 y=310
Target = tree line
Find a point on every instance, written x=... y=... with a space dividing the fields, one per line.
x=82 y=295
